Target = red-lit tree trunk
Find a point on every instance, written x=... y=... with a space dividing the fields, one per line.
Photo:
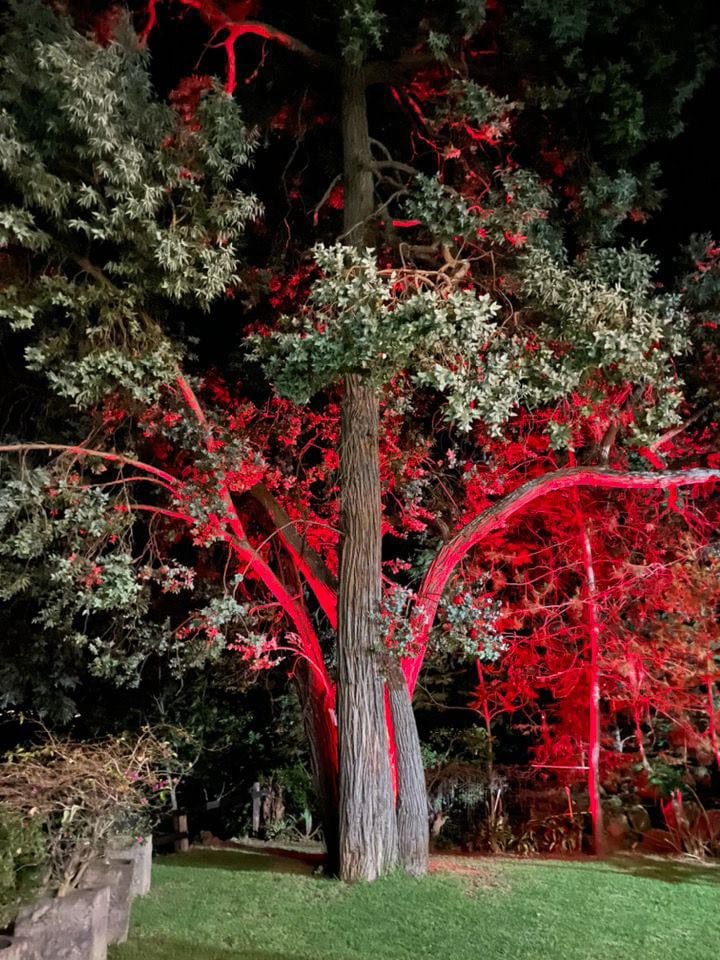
x=314 y=690
x=321 y=734
x=368 y=830
x=593 y=668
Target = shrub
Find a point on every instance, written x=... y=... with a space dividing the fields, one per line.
x=23 y=862
x=82 y=794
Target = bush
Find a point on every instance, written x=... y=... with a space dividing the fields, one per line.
x=82 y=794
x=23 y=862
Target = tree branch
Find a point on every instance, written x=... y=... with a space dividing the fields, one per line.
x=676 y=431
x=450 y=555
x=80 y=451
x=162 y=512
x=230 y=526
x=218 y=20
x=262 y=570
x=394 y=165
x=396 y=71
x=307 y=561
x=265 y=30
x=325 y=197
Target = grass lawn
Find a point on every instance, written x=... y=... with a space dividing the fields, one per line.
x=225 y=905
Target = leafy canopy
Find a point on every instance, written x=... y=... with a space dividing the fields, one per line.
x=117 y=207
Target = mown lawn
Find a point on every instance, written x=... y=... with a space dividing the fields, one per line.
x=225 y=905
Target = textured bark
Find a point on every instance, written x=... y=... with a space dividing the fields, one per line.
x=591 y=617
x=368 y=831
x=321 y=734
x=368 y=834
x=357 y=158
x=368 y=823
x=412 y=806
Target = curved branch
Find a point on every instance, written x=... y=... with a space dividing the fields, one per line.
x=295 y=611
x=307 y=561
x=265 y=30
x=246 y=552
x=218 y=20
x=309 y=646
x=450 y=555
x=80 y=451
x=394 y=165
x=162 y=512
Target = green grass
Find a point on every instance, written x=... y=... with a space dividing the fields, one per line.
x=224 y=905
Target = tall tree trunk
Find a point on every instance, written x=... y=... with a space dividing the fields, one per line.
x=594 y=729
x=412 y=806
x=368 y=831
x=321 y=733
x=317 y=706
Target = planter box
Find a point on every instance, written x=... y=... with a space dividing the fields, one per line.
x=63 y=928
x=117 y=875
x=141 y=856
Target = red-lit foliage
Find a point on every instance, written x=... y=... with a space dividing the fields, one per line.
x=227 y=22
x=653 y=653
x=610 y=615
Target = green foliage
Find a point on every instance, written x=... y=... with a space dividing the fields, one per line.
x=448 y=745
x=362 y=320
x=71 y=566
x=467 y=626
x=606 y=202
x=665 y=778
x=471 y=14
x=116 y=207
x=118 y=210
x=607 y=314
x=516 y=205
x=701 y=286
x=479 y=104
x=67 y=548
x=598 y=317
x=22 y=862
x=619 y=70
x=362 y=28
x=86 y=381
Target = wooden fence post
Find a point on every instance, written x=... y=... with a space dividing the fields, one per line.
x=180 y=826
x=257 y=795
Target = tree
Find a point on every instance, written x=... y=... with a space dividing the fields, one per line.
x=481 y=313
x=592 y=627
x=116 y=211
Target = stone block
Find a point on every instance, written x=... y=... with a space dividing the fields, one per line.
x=141 y=856
x=74 y=927
x=117 y=875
